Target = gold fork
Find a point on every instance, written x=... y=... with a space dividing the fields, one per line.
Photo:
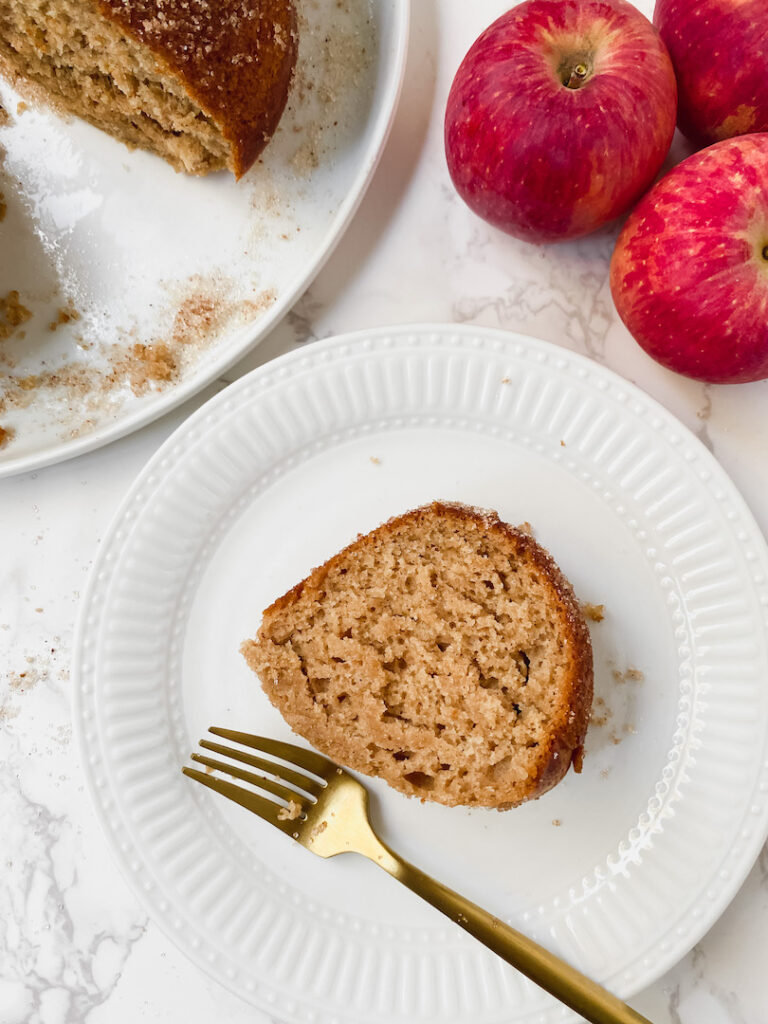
x=325 y=809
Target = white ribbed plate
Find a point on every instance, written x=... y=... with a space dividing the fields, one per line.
x=620 y=869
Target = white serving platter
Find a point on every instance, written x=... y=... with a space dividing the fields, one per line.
x=196 y=269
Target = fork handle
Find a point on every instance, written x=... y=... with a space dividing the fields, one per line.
x=593 y=1002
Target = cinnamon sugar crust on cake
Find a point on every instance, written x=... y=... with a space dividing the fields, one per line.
x=202 y=83
x=443 y=652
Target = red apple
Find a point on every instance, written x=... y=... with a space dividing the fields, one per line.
x=689 y=274
x=719 y=50
x=560 y=117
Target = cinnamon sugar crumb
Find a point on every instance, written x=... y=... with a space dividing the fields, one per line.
x=318 y=830
x=600 y=712
x=7 y=434
x=4 y=116
x=593 y=612
x=629 y=675
x=194 y=318
x=12 y=314
x=289 y=813
x=21 y=106
x=375 y=460
x=64 y=315
x=198 y=317
x=147 y=364
x=306 y=158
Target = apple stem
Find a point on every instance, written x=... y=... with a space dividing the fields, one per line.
x=576 y=78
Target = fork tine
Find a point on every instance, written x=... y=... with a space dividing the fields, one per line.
x=256 y=780
x=304 y=782
x=299 y=756
x=246 y=798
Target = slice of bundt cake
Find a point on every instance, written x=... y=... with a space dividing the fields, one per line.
x=444 y=652
x=201 y=83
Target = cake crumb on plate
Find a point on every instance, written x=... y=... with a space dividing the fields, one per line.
x=12 y=314
x=593 y=612
x=64 y=315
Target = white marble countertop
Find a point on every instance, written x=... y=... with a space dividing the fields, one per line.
x=75 y=946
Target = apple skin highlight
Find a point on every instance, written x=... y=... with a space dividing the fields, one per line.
x=689 y=274
x=719 y=49
x=542 y=160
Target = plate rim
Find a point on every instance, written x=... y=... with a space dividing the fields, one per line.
x=713 y=910
x=171 y=399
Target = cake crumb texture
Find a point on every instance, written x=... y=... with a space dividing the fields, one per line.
x=201 y=83
x=444 y=652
